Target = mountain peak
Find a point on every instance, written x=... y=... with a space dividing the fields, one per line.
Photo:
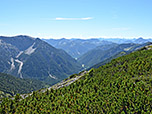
x=140 y=38
x=33 y=58
x=23 y=36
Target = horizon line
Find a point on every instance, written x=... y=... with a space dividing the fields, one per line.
x=91 y=37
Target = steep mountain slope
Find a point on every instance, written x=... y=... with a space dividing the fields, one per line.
x=122 y=86
x=101 y=53
x=125 y=52
x=76 y=47
x=7 y=51
x=10 y=85
x=141 y=40
x=27 y=57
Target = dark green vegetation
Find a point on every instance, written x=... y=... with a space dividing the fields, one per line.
x=27 y=57
x=10 y=85
x=122 y=86
x=104 y=52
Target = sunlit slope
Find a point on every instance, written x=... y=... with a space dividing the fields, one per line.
x=122 y=86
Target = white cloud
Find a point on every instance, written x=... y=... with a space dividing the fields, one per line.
x=73 y=19
x=121 y=29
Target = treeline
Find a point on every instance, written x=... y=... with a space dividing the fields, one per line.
x=122 y=86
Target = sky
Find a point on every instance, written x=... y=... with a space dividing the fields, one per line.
x=76 y=18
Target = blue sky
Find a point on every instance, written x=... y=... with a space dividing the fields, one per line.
x=76 y=18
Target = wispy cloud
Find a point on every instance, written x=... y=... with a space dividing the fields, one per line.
x=121 y=29
x=72 y=19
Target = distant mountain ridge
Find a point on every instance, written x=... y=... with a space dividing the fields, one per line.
x=76 y=47
x=102 y=53
x=27 y=57
x=21 y=42
x=122 y=53
x=139 y=40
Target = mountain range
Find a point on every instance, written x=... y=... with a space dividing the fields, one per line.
x=27 y=57
x=139 y=40
x=119 y=54
x=121 y=86
x=32 y=58
x=101 y=53
x=76 y=47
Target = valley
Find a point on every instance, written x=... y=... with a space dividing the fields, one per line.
x=75 y=57
x=120 y=86
x=107 y=78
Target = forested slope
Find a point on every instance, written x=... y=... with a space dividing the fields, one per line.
x=122 y=86
x=10 y=85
